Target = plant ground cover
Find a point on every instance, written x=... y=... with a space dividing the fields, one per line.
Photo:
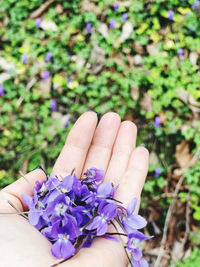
x=139 y=58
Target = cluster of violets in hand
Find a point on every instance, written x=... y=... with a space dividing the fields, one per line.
x=70 y=212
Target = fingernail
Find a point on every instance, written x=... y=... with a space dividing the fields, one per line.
x=89 y=110
x=40 y=168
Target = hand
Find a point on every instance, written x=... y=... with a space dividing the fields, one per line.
x=109 y=146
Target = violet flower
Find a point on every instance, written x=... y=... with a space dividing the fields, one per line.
x=157 y=122
x=38 y=22
x=94 y=174
x=45 y=75
x=195 y=5
x=36 y=209
x=132 y=246
x=48 y=57
x=63 y=246
x=69 y=80
x=116 y=6
x=132 y=222
x=112 y=23
x=180 y=52
x=106 y=212
x=53 y=106
x=124 y=17
x=24 y=58
x=88 y=28
x=2 y=92
x=170 y=14
x=157 y=172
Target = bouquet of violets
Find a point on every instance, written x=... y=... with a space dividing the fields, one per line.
x=70 y=212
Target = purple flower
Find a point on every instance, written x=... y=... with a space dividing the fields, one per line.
x=69 y=79
x=48 y=57
x=157 y=122
x=116 y=6
x=170 y=14
x=45 y=75
x=157 y=172
x=66 y=123
x=132 y=246
x=105 y=212
x=180 y=52
x=63 y=246
x=94 y=174
x=24 y=58
x=112 y=23
x=38 y=22
x=2 y=92
x=36 y=209
x=88 y=28
x=53 y=105
x=195 y=5
x=132 y=221
x=124 y=17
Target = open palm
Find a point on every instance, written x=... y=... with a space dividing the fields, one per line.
x=109 y=146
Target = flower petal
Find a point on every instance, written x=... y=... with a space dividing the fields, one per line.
x=134 y=222
x=131 y=206
x=34 y=217
x=56 y=249
x=104 y=189
x=144 y=263
x=101 y=230
x=137 y=254
x=67 y=249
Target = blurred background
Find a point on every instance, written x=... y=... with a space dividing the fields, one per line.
x=139 y=58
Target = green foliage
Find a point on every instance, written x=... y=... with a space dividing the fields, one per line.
x=30 y=132
x=192 y=179
x=192 y=260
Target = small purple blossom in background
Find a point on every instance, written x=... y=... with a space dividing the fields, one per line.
x=2 y=92
x=89 y=28
x=53 y=106
x=157 y=172
x=69 y=79
x=48 y=57
x=66 y=124
x=195 y=5
x=24 y=58
x=170 y=14
x=124 y=17
x=38 y=22
x=45 y=75
x=116 y=6
x=180 y=52
x=112 y=24
x=157 y=122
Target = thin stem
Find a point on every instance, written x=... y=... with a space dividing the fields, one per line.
x=122 y=241
x=23 y=176
x=13 y=206
x=117 y=234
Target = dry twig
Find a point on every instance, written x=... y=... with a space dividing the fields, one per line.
x=170 y=210
x=41 y=9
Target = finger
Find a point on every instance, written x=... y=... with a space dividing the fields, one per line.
x=124 y=145
x=132 y=182
x=76 y=147
x=102 y=143
x=13 y=191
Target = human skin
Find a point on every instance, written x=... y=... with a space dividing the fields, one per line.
x=110 y=145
